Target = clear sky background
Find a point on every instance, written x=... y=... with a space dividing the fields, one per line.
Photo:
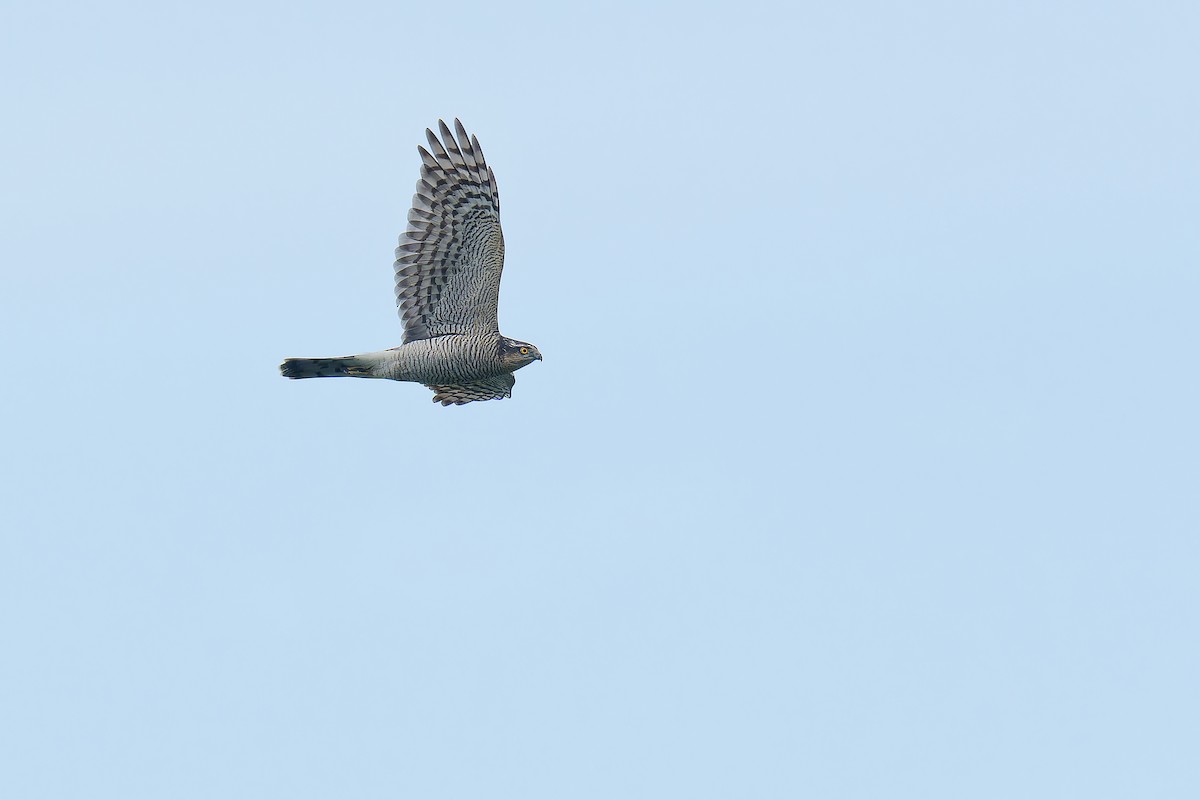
x=863 y=462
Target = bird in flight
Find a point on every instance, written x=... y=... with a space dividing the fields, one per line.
x=448 y=269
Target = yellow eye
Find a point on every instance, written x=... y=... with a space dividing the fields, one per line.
x=524 y=351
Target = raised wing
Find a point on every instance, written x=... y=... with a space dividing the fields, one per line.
x=450 y=258
x=489 y=389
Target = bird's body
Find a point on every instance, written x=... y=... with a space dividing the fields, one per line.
x=447 y=269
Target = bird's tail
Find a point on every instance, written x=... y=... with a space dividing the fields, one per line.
x=345 y=366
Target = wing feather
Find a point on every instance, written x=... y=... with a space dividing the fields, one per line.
x=451 y=255
x=458 y=394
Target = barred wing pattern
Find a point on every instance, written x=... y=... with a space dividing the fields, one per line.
x=450 y=258
x=490 y=389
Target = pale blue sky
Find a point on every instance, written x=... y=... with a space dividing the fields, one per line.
x=863 y=462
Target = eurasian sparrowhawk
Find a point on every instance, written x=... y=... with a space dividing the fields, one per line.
x=448 y=269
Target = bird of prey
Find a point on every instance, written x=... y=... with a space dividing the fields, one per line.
x=448 y=269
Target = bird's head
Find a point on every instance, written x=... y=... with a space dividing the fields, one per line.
x=517 y=354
